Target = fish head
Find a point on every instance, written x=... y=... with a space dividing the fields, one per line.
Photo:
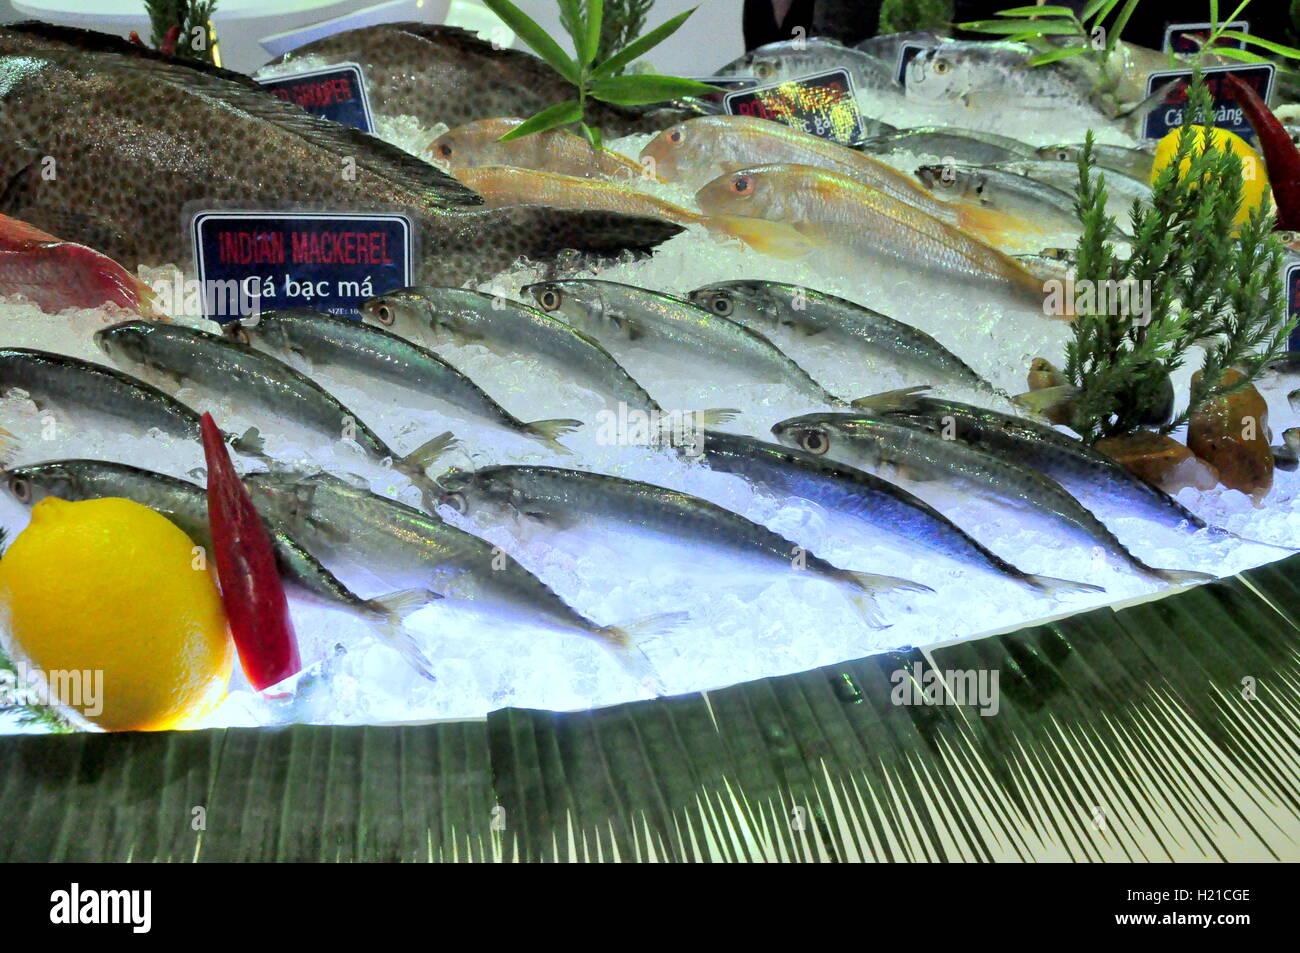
x=839 y=435
x=31 y=484
x=1058 y=153
x=751 y=193
x=475 y=143
x=668 y=153
x=405 y=307
x=811 y=433
x=938 y=75
x=741 y=301
x=947 y=181
x=581 y=304
x=127 y=342
x=470 y=491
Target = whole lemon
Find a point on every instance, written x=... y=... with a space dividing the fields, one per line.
x=109 y=586
x=1254 y=175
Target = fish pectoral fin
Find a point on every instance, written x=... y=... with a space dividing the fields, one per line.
x=778 y=239
x=249 y=442
x=552 y=519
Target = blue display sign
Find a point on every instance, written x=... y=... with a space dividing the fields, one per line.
x=1227 y=114
x=824 y=105
x=248 y=262
x=337 y=93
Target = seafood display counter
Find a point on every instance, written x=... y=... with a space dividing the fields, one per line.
x=647 y=482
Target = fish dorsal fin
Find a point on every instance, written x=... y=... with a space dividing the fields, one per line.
x=241 y=92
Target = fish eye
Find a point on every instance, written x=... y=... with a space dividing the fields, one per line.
x=21 y=489
x=942 y=66
x=1062 y=155
x=549 y=299
x=722 y=306
x=742 y=185
x=444 y=150
x=385 y=315
x=814 y=442
x=762 y=70
x=675 y=136
x=456 y=501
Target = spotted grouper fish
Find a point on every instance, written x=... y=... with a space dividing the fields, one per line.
x=442 y=74
x=136 y=138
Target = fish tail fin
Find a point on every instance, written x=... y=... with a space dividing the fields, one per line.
x=1181 y=577
x=423 y=456
x=992 y=225
x=8 y=442
x=778 y=239
x=549 y=431
x=1058 y=587
x=715 y=416
x=624 y=641
x=899 y=399
x=865 y=586
x=395 y=607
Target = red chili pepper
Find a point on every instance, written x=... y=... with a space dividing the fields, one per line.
x=251 y=589
x=170 y=38
x=1280 y=153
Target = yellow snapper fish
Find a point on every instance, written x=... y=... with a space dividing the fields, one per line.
x=822 y=211
x=501 y=186
x=478 y=143
x=697 y=151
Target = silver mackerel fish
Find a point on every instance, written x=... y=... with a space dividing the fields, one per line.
x=767 y=304
x=787 y=472
x=612 y=312
x=225 y=366
x=577 y=496
x=339 y=520
x=373 y=352
x=883 y=446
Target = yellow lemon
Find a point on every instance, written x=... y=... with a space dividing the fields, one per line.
x=115 y=591
x=1254 y=184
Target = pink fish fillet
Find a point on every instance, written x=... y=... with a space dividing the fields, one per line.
x=55 y=274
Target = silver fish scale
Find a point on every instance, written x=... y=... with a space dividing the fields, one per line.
x=526 y=329
x=951 y=459
x=96 y=388
x=225 y=366
x=1044 y=448
x=689 y=328
x=334 y=516
x=844 y=489
x=328 y=338
x=661 y=508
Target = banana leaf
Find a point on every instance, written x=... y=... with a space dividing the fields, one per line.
x=1165 y=730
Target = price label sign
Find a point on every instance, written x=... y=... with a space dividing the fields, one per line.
x=337 y=93
x=1291 y=284
x=724 y=84
x=248 y=262
x=1227 y=114
x=1191 y=37
x=906 y=53
x=824 y=105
